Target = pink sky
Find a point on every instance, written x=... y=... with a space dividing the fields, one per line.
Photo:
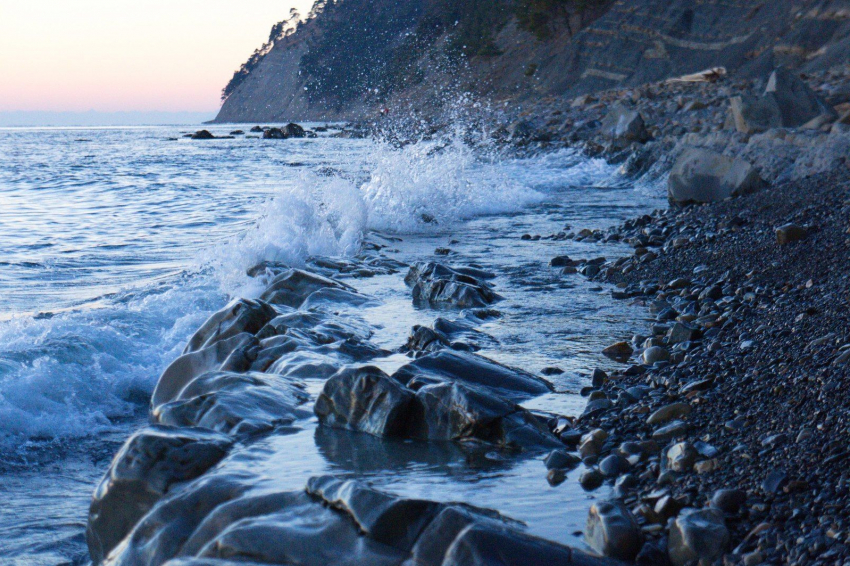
x=113 y=55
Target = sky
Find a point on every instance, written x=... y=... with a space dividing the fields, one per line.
x=128 y=55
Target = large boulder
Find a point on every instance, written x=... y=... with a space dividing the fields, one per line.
x=458 y=412
x=613 y=531
x=697 y=535
x=284 y=133
x=435 y=284
x=241 y=315
x=215 y=523
x=701 y=175
x=292 y=287
x=796 y=102
x=233 y=403
x=472 y=369
x=752 y=114
x=149 y=463
x=236 y=353
x=625 y=124
x=365 y=399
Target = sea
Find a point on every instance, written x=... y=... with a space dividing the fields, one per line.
x=117 y=243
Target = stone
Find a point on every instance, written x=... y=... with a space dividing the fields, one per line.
x=203 y=135
x=591 y=479
x=239 y=404
x=464 y=367
x=462 y=412
x=789 y=233
x=561 y=261
x=234 y=354
x=752 y=115
x=728 y=500
x=240 y=316
x=288 y=131
x=149 y=463
x=796 y=102
x=612 y=531
x=681 y=332
x=621 y=351
x=697 y=535
x=680 y=457
x=669 y=413
x=625 y=124
x=561 y=459
x=435 y=284
x=367 y=400
x=592 y=442
x=292 y=287
x=701 y=175
x=774 y=481
x=655 y=354
x=613 y=465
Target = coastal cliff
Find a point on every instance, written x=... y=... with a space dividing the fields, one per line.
x=354 y=59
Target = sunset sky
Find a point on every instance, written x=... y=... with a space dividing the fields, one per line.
x=128 y=55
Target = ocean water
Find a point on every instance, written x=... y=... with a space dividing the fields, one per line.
x=117 y=243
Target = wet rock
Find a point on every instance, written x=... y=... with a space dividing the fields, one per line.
x=613 y=465
x=561 y=459
x=561 y=261
x=463 y=367
x=288 y=131
x=231 y=354
x=701 y=175
x=729 y=500
x=463 y=412
x=241 y=315
x=680 y=457
x=625 y=124
x=202 y=135
x=367 y=400
x=613 y=531
x=292 y=287
x=233 y=403
x=668 y=413
x=591 y=479
x=621 y=351
x=435 y=284
x=149 y=463
x=789 y=233
x=774 y=481
x=697 y=536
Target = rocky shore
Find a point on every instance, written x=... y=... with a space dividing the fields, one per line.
x=721 y=440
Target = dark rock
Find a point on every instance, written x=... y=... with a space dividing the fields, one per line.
x=436 y=284
x=789 y=233
x=367 y=400
x=292 y=287
x=754 y=115
x=775 y=480
x=613 y=531
x=202 y=135
x=462 y=367
x=288 y=131
x=797 y=103
x=625 y=124
x=561 y=459
x=150 y=462
x=729 y=500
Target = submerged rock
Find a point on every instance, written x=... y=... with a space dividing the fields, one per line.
x=284 y=133
x=148 y=464
x=701 y=175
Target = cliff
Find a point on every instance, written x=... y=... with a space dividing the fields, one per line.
x=352 y=58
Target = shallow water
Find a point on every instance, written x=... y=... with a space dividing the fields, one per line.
x=118 y=243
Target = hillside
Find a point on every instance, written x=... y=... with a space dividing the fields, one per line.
x=350 y=59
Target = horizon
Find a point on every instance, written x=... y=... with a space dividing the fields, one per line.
x=151 y=57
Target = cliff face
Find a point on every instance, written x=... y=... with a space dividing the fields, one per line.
x=356 y=57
